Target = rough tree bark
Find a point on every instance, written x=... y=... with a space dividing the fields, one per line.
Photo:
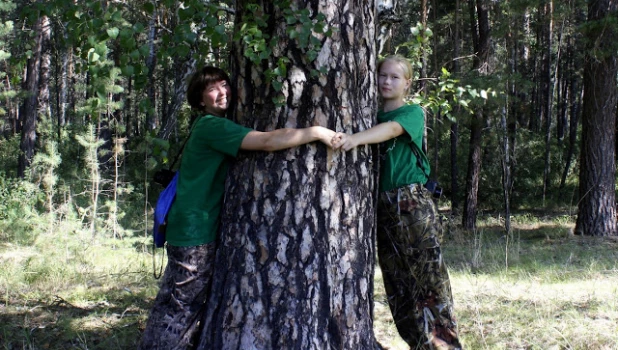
x=32 y=86
x=480 y=26
x=546 y=89
x=151 y=63
x=597 y=177
x=575 y=98
x=296 y=259
x=454 y=134
x=183 y=69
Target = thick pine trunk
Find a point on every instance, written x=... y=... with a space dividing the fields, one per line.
x=296 y=257
x=597 y=177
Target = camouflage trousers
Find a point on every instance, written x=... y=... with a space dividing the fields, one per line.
x=173 y=322
x=415 y=275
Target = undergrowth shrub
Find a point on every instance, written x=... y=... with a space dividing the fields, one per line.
x=20 y=202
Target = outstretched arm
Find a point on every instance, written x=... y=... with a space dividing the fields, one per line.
x=377 y=134
x=285 y=138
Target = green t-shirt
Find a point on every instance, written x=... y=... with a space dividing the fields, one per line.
x=399 y=166
x=194 y=217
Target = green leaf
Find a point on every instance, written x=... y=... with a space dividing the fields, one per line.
x=128 y=70
x=277 y=85
x=290 y=20
x=117 y=16
x=113 y=32
x=93 y=57
x=182 y=50
x=144 y=50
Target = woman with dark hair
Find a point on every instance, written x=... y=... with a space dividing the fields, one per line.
x=193 y=219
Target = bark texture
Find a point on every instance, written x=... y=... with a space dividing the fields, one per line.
x=481 y=33
x=37 y=98
x=597 y=178
x=296 y=259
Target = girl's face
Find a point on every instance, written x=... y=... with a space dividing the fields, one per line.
x=392 y=82
x=216 y=97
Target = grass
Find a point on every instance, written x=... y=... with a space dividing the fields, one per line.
x=541 y=288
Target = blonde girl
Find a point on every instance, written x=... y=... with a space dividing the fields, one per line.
x=415 y=275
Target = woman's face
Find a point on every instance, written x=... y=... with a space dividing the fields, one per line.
x=392 y=82
x=216 y=98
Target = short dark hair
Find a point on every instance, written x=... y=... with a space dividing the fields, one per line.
x=198 y=83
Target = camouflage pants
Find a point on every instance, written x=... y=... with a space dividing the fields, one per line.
x=173 y=322
x=415 y=276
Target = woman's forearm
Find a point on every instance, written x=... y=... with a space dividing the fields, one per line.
x=284 y=138
x=379 y=133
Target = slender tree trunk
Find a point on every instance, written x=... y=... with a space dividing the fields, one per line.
x=575 y=101
x=481 y=22
x=30 y=107
x=12 y=110
x=183 y=71
x=151 y=62
x=454 y=135
x=43 y=98
x=72 y=82
x=506 y=171
x=547 y=94
x=424 y=63
x=296 y=257
x=597 y=177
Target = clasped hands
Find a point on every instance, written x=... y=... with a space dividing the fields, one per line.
x=343 y=141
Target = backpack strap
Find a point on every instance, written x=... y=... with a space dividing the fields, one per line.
x=417 y=153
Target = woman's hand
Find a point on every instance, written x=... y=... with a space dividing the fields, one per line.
x=345 y=141
x=324 y=135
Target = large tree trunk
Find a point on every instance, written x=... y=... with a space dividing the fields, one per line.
x=296 y=258
x=597 y=177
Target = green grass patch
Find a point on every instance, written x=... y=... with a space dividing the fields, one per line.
x=539 y=288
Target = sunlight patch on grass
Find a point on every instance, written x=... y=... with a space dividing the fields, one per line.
x=502 y=313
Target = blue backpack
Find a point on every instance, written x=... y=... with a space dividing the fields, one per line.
x=162 y=208
x=168 y=179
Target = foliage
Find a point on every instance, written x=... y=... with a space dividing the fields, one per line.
x=6 y=28
x=306 y=29
x=20 y=202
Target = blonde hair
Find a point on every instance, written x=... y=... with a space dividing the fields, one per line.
x=406 y=66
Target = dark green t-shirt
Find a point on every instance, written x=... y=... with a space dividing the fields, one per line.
x=399 y=165
x=194 y=217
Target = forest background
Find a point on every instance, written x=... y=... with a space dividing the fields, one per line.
x=92 y=104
